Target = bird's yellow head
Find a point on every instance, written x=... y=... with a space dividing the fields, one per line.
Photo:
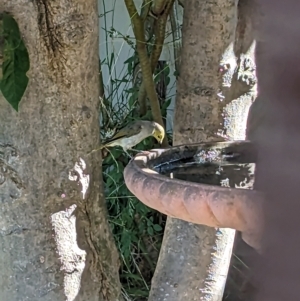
x=158 y=132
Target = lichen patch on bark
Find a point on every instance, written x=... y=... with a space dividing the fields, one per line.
x=81 y=177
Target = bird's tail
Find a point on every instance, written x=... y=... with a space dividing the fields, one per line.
x=96 y=149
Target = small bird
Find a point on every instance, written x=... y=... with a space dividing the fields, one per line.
x=134 y=133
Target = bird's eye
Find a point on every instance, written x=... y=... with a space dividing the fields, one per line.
x=159 y=137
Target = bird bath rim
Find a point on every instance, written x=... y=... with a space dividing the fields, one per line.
x=210 y=205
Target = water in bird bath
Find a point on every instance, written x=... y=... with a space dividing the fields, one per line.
x=212 y=166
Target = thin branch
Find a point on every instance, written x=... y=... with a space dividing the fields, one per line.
x=160 y=30
x=138 y=29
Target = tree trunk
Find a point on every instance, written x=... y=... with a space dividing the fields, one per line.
x=209 y=104
x=55 y=240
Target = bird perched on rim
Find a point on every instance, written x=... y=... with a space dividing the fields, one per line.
x=134 y=133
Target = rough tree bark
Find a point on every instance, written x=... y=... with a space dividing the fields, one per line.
x=194 y=259
x=54 y=236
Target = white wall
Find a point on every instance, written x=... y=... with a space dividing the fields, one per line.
x=117 y=17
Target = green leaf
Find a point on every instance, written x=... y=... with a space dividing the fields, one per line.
x=132 y=276
x=120 y=166
x=176 y=73
x=137 y=292
x=165 y=104
x=125 y=242
x=147 y=143
x=150 y=231
x=15 y=61
x=111 y=61
x=168 y=79
x=123 y=80
x=141 y=226
x=132 y=100
x=130 y=62
x=157 y=228
x=166 y=70
x=114 y=154
x=157 y=78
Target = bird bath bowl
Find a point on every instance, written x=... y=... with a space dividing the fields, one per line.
x=204 y=183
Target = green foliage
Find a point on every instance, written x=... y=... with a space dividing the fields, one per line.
x=15 y=61
x=137 y=229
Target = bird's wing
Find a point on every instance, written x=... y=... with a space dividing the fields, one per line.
x=127 y=131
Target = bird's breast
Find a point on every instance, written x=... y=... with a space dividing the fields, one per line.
x=132 y=141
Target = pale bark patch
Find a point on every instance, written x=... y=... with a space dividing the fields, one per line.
x=72 y=258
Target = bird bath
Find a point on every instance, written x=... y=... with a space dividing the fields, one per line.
x=204 y=183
